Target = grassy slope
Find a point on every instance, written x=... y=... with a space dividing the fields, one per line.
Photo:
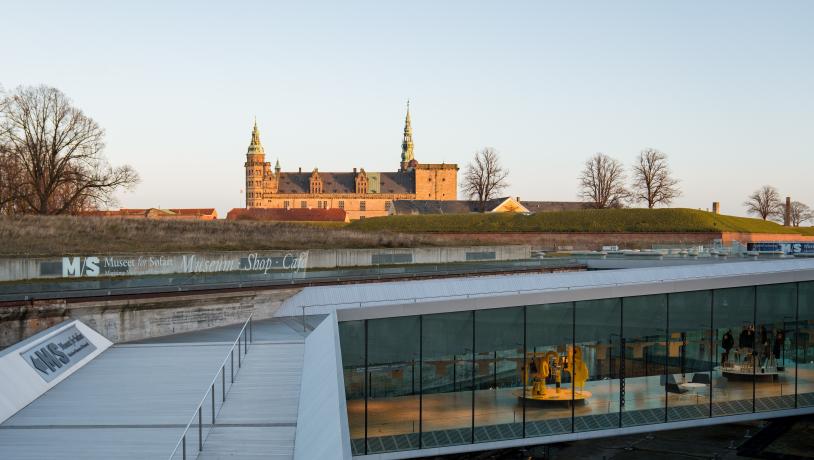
x=51 y=235
x=589 y=220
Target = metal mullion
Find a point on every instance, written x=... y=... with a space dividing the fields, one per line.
x=420 y=379
x=523 y=372
x=713 y=345
x=573 y=364
x=621 y=358
x=796 y=346
x=473 y=378
x=367 y=382
x=667 y=339
x=754 y=355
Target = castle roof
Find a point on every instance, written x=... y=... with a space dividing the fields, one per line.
x=288 y=215
x=345 y=182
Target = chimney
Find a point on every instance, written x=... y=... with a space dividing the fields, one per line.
x=300 y=169
x=354 y=172
x=716 y=207
x=787 y=212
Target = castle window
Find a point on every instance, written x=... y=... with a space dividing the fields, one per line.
x=303 y=204
x=341 y=204
x=286 y=204
x=362 y=206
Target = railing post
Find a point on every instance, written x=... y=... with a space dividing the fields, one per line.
x=223 y=381
x=232 y=371
x=200 y=429
x=238 y=353
x=184 y=447
x=213 y=403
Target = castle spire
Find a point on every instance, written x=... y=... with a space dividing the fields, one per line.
x=255 y=147
x=407 y=142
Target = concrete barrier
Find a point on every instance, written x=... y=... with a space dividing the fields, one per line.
x=322 y=420
x=95 y=265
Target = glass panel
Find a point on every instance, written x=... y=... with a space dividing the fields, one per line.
x=498 y=359
x=733 y=316
x=352 y=344
x=446 y=415
x=549 y=339
x=393 y=401
x=644 y=329
x=774 y=372
x=805 y=345
x=597 y=334
x=690 y=358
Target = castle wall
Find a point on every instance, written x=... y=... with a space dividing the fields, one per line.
x=436 y=182
x=375 y=205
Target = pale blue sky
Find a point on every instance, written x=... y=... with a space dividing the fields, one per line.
x=725 y=88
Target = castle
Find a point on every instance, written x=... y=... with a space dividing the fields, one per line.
x=359 y=193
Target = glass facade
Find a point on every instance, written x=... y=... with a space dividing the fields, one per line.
x=445 y=379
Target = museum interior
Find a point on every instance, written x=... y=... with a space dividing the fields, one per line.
x=445 y=379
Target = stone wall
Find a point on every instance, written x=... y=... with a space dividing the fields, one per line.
x=128 y=319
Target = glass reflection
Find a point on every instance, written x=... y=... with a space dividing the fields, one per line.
x=597 y=329
x=504 y=373
x=774 y=366
x=804 y=344
x=733 y=323
x=549 y=336
x=690 y=355
x=447 y=374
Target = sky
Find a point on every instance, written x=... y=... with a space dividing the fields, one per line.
x=725 y=88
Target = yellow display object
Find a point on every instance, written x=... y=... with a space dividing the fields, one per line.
x=543 y=365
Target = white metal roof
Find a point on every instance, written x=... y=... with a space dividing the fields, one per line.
x=322 y=299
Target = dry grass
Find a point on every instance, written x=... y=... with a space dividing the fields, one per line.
x=59 y=235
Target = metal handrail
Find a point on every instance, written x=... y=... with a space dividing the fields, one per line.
x=246 y=335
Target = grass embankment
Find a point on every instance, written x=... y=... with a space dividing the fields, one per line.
x=59 y=235
x=588 y=220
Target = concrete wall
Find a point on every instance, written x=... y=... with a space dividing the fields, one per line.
x=322 y=419
x=586 y=240
x=94 y=265
x=124 y=320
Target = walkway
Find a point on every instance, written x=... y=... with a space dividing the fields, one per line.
x=259 y=418
x=134 y=400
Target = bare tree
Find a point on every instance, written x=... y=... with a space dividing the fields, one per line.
x=602 y=182
x=800 y=213
x=652 y=179
x=58 y=150
x=764 y=202
x=485 y=177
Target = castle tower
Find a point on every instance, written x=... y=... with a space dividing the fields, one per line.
x=407 y=142
x=255 y=166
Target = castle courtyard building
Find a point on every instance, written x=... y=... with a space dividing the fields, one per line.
x=359 y=193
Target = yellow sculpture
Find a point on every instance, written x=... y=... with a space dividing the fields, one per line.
x=547 y=364
x=579 y=370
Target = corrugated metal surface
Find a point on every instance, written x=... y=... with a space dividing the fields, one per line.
x=399 y=292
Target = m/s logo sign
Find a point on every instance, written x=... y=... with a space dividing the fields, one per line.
x=79 y=266
x=53 y=356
